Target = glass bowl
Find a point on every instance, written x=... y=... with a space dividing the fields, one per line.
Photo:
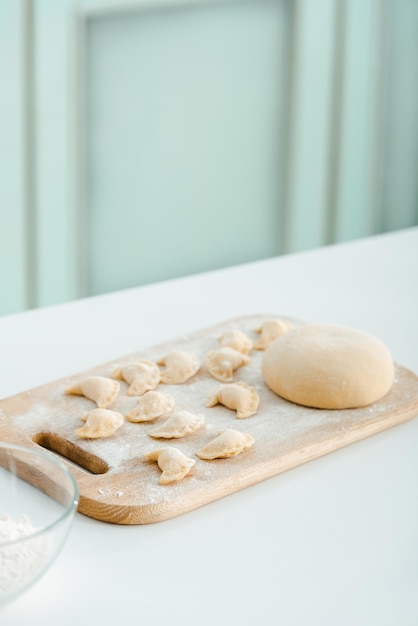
x=38 y=501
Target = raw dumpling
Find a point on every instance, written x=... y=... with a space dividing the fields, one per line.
x=229 y=443
x=239 y=397
x=101 y=390
x=222 y=363
x=179 y=367
x=100 y=423
x=236 y=339
x=178 y=425
x=172 y=462
x=269 y=331
x=141 y=376
x=151 y=405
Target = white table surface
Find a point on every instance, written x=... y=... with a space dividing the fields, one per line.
x=333 y=542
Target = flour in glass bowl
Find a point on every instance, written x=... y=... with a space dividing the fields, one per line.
x=22 y=561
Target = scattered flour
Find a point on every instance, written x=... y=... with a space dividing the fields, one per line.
x=22 y=561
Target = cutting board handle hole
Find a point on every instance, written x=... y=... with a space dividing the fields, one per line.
x=70 y=451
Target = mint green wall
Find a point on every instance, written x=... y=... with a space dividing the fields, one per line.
x=13 y=146
x=145 y=140
x=185 y=139
x=399 y=175
x=360 y=92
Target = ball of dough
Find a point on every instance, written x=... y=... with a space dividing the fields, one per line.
x=328 y=367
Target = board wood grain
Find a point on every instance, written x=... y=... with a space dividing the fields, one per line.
x=118 y=485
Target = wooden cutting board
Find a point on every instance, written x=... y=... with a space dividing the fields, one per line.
x=118 y=485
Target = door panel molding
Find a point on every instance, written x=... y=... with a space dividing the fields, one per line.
x=61 y=149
